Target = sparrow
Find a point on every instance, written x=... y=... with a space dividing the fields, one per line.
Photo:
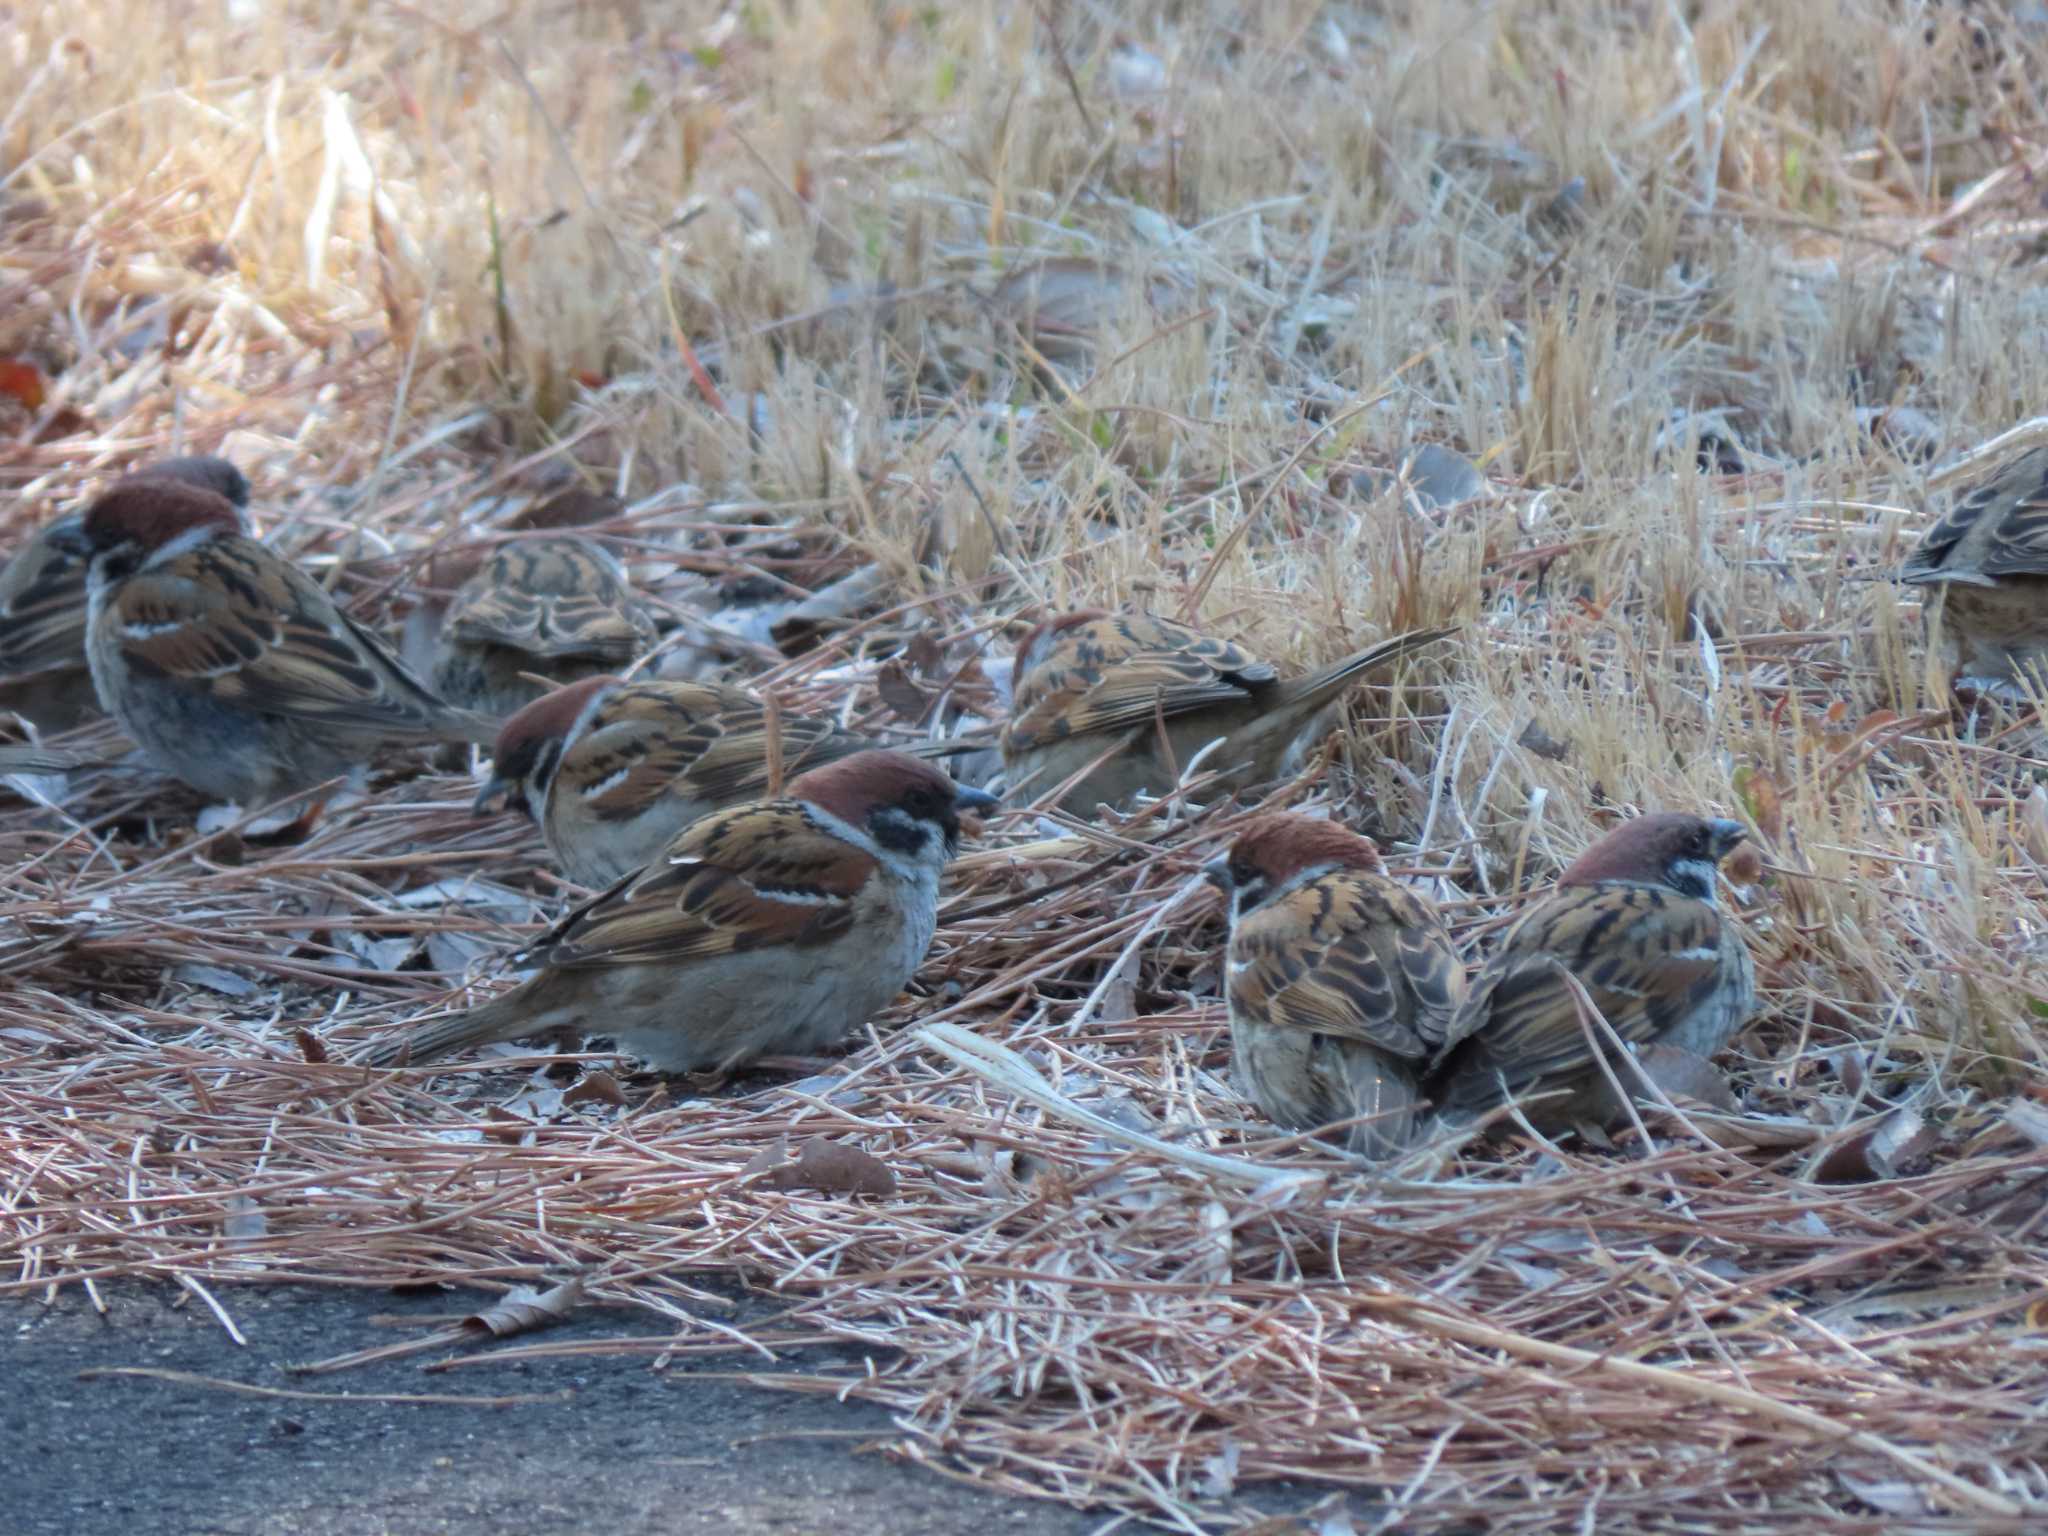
x=231 y=668
x=1988 y=558
x=43 y=672
x=1635 y=920
x=1146 y=694
x=766 y=929
x=556 y=607
x=1341 y=985
x=610 y=771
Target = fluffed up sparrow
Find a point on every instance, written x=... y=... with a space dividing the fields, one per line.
x=230 y=667
x=1988 y=558
x=771 y=928
x=44 y=675
x=1095 y=685
x=1634 y=919
x=556 y=607
x=1341 y=984
x=610 y=770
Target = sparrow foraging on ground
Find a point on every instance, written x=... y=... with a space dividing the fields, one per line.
x=1146 y=694
x=557 y=607
x=767 y=929
x=231 y=668
x=1988 y=560
x=44 y=675
x=610 y=770
x=1340 y=983
x=1635 y=920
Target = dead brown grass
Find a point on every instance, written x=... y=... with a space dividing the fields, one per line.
x=1082 y=303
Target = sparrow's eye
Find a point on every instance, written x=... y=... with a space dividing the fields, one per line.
x=1243 y=872
x=922 y=803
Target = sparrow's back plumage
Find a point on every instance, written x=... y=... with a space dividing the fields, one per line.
x=1988 y=558
x=1635 y=922
x=659 y=739
x=1998 y=529
x=554 y=596
x=1145 y=694
x=1106 y=672
x=542 y=610
x=42 y=603
x=234 y=621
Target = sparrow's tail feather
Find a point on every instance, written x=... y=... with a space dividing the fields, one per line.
x=505 y=1017
x=1308 y=694
x=40 y=760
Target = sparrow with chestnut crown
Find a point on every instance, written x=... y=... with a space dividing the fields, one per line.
x=772 y=928
x=44 y=675
x=230 y=667
x=1341 y=983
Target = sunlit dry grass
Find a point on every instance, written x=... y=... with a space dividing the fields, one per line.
x=1093 y=303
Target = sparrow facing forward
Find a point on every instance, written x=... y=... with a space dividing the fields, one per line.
x=44 y=675
x=1989 y=559
x=1341 y=984
x=610 y=771
x=1092 y=683
x=771 y=928
x=1634 y=919
x=559 y=607
x=230 y=667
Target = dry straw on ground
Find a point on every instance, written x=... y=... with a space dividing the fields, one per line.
x=1036 y=305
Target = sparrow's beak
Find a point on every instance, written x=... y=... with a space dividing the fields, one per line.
x=498 y=795
x=1217 y=872
x=1727 y=835
x=67 y=536
x=976 y=800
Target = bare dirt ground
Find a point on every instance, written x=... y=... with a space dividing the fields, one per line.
x=625 y=1451
x=614 y=1447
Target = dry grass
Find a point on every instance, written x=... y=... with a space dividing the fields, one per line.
x=779 y=264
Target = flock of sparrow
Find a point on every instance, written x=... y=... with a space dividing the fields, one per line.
x=730 y=926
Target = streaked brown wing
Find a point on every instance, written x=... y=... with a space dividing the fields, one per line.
x=1318 y=959
x=735 y=764
x=739 y=879
x=1647 y=957
x=551 y=597
x=693 y=741
x=645 y=737
x=233 y=619
x=1998 y=529
x=1428 y=961
x=1111 y=673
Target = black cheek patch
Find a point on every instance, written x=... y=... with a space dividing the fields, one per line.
x=897 y=831
x=119 y=565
